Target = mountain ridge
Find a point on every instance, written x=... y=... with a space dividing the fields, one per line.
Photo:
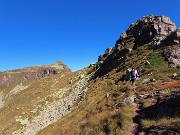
x=32 y=73
x=99 y=99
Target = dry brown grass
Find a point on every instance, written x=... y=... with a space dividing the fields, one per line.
x=97 y=113
x=22 y=103
x=170 y=85
x=97 y=110
x=164 y=122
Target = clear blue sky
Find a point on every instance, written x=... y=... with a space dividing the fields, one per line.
x=76 y=32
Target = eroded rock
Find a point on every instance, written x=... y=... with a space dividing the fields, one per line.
x=172 y=55
x=53 y=111
x=150 y=29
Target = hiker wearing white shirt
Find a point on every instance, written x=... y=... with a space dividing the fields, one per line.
x=134 y=75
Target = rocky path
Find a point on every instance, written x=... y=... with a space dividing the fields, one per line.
x=157 y=98
x=136 y=125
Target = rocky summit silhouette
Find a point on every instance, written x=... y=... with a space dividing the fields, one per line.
x=99 y=99
x=151 y=31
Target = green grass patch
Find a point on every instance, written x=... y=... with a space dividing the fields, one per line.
x=156 y=61
x=172 y=70
x=158 y=76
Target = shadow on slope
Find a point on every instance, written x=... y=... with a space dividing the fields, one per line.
x=168 y=110
x=113 y=61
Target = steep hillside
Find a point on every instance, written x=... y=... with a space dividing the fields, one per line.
x=100 y=99
x=24 y=92
x=110 y=106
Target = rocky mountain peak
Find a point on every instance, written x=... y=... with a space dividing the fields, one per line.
x=59 y=66
x=58 y=63
x=100 y=99
x=32 y=73
x=149 y=29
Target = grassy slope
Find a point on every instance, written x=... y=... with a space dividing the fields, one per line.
x=24 y=102
x=98 y=114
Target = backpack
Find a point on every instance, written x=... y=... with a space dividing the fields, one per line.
x=133 y=74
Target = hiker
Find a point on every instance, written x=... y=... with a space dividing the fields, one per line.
x=134 y=75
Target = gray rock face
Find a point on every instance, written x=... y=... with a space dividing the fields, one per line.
x=146 y=80
x=172 y=55
x=108 y=51
x=32 y=73
x=39 y=74
x=173 y=39
x=153 y=31
x=150 y=29
x=29 y=76
x=56 y=110
x=7 y=79
x=60 y=66
x=44 y=72
x=118 y=47
x=103 y=57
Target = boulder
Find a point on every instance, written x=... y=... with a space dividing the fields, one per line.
x=172 y=55
x=147 y=63
x=118 y=47
x=101 y=57
x=123 y=35
x=108 y=51
x=175 y=74
x=146 y=80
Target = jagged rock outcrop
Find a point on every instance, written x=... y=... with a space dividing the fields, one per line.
x=154 y=31
x=111 y=61
x=102 y=57
x=172 y=55
x=60 y=66
x=6 y=79
x=44 y=72
x=173 y=38
x=150 y=29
